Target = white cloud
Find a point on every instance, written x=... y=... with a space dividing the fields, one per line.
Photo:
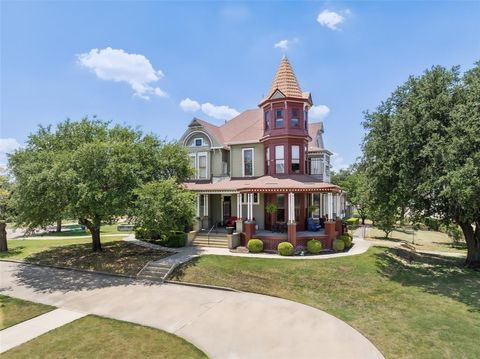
x=7 y=145
x=189 y=105
x=282 y=44
x=318 y=112
x=120 y=66
x=219 y=112
x=331 y=19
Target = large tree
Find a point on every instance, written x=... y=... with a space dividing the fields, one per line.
x=422 y=150
x=5 y=210
x=89 y=170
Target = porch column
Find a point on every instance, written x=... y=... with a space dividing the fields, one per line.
x=205 y=205
x=239 y=205
x=291 y=225
x=198 y=205
x=249 y=206
x=330 y=206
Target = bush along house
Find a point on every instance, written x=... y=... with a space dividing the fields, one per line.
x=265 y=173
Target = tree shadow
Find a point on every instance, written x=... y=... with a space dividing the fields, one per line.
x=432 y=273
x=12 y=252
x=47 y=279
x=179 y=272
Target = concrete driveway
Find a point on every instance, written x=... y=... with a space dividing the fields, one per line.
x=223 y=324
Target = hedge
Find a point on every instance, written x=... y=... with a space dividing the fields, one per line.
x=314 y=246
x=338 y=245
x=255 y=246
x=285 y=249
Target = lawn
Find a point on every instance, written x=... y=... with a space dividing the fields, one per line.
x=96 y=337
x=428 y=308
x=14 y=311
x=75 y=230
x=117 y=256
x=424 y=239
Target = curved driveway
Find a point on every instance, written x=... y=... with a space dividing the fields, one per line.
x=223 y=324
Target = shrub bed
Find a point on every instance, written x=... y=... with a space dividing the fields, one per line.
x=255 y=246
x=314 y=246
x=347 y=240
x=285 y=249
x=338 y=245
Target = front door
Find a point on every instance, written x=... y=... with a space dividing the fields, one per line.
x=227 y=208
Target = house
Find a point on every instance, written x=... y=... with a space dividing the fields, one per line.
x=266 y=171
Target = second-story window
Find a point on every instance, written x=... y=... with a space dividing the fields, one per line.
x=294 y=121
x=267 y=160
x=295 y=162
x=278 y=118
x=305 y=119
x=247 y=161
x=279 y=159
x=202 y=166
x=267 y=120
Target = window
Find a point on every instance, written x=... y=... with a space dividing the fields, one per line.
x=316 y=166
x=198 y=142
x=267 y=120
x=305 y=117
x=202 y=166
x=279 y=160
x=267 y=160
x=247 y=164
x=278 y=118
x=295 y=159
x=294 y=122
x=255 y=198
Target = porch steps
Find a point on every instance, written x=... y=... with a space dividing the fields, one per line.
x=212 y=240
x=155 y=271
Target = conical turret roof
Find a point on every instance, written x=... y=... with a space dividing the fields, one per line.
x=285 y=81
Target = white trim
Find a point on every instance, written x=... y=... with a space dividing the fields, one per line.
x=243 y=161
x=203 y=132
x=195 y=142
x=257 y=202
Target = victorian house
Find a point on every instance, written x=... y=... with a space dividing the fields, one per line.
x=266 y=171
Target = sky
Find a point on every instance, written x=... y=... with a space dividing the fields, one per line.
x=155 y=65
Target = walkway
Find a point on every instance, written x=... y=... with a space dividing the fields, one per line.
x=30 y=329
x=221 y=323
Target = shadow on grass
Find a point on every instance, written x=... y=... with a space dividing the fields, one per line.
x=12 y=252
x=389 y=239
x=179 y=271
x=432 y=273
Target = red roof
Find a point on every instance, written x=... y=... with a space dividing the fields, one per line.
x=292 y=183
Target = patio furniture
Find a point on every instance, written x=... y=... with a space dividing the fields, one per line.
x=312 y=226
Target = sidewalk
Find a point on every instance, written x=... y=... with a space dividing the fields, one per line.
x=32 y=328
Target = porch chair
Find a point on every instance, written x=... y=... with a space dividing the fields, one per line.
x=311 y=225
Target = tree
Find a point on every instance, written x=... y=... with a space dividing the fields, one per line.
x=162 y=206
x=354 y=181
x=5 y=211
x=88 y=170
x=422 y=150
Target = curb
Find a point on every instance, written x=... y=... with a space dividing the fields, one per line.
x=70 y=269
x=204 y=286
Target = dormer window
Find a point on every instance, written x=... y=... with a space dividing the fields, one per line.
x=278 y=118
x=294 y=122
x=198 y=142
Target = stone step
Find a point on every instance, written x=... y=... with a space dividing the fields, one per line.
x=213 y=243
x=210 y=245
x=155 y=272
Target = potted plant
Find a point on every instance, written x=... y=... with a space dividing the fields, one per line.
x=312 y=208
x=271 y=209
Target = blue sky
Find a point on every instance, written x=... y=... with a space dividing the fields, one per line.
x=71 y=59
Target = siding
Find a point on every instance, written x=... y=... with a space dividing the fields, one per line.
x=236 y=159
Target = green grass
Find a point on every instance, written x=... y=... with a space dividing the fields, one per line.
x=424 y=240
x=117 y=256
x=74 y=230
x=428 y=308
x=96 y=337
x=14 y=311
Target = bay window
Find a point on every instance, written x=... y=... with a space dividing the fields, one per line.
x=294 y=122
x=278 y=118
x=279 y=159
x=295 y=159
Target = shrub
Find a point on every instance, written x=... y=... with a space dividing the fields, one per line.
x=338 y=245
x=255 y=246
x=352 y=220
x=432 y=224
x=346 y=239
x=314 y=246
x=285 y=249
x=140 y=233
x=175 y=239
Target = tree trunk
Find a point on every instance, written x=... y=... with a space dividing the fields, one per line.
x=59 y=225
x=94 y=228
x=472 y=237
x=363 y=220
x=3 y=237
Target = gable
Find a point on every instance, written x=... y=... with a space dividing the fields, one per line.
x=277 y=94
